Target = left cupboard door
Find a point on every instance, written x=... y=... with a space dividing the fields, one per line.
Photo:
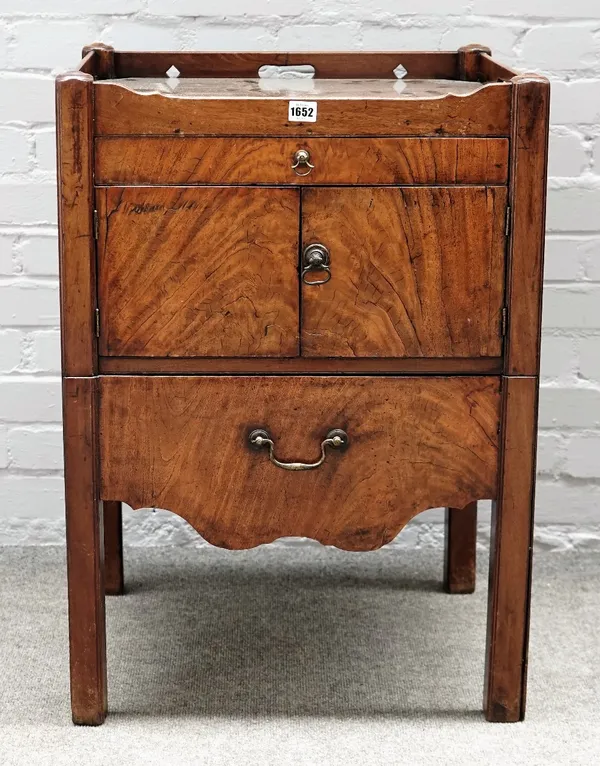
x=198 y=271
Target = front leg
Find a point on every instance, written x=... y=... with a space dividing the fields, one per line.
x=85 y=564
x=510 y=555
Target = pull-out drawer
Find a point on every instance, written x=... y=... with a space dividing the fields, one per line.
x=282 y=161
x=189 y=445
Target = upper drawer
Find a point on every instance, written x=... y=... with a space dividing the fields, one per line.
x=166 y=160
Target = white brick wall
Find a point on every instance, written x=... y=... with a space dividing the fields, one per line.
x=40 y=37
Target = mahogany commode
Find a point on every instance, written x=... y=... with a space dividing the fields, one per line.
x=301 y=309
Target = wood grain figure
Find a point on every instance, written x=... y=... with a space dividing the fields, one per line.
x=121 y=111
x=198 y=272
x=114 y=583
x=531 y=104
x=460 y=554
x=469 y=58
x=85 y=551
x=414 y=272
x=127 y=365
x=77 y=260
x=337 y=65
x=204 y=376
x=336 y=161
x=196 y=429
x=511 y=554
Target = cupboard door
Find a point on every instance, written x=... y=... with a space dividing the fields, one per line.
x=187 y=272
x=415 y=272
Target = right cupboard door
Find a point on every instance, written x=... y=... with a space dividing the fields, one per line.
x=415 y=271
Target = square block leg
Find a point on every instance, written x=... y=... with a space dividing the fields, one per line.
x=510 y=555
x=460 y=551
x=113 y=548
x=85 y=553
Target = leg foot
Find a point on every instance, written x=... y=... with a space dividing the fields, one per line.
x=89 y=719
x=461 y=544
x=85 y=564
x=113 y=549
x=510 y=556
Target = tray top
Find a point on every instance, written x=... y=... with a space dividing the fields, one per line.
x=260 y=88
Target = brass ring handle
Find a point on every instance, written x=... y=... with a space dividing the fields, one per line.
x=316 y=257
x=324 y=281
x=336 y=439
x=302 y=158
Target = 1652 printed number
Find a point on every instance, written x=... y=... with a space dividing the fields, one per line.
x=302 y=111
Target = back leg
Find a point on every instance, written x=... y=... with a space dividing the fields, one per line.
x=461 y=543
x=113 y=548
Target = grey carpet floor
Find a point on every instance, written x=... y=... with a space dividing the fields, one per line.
x=296 y=656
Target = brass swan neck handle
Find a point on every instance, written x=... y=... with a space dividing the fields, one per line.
x=336 y=439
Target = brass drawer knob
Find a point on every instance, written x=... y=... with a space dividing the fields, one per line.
x=316 y=258
x=302 y=163
x=336 y=439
